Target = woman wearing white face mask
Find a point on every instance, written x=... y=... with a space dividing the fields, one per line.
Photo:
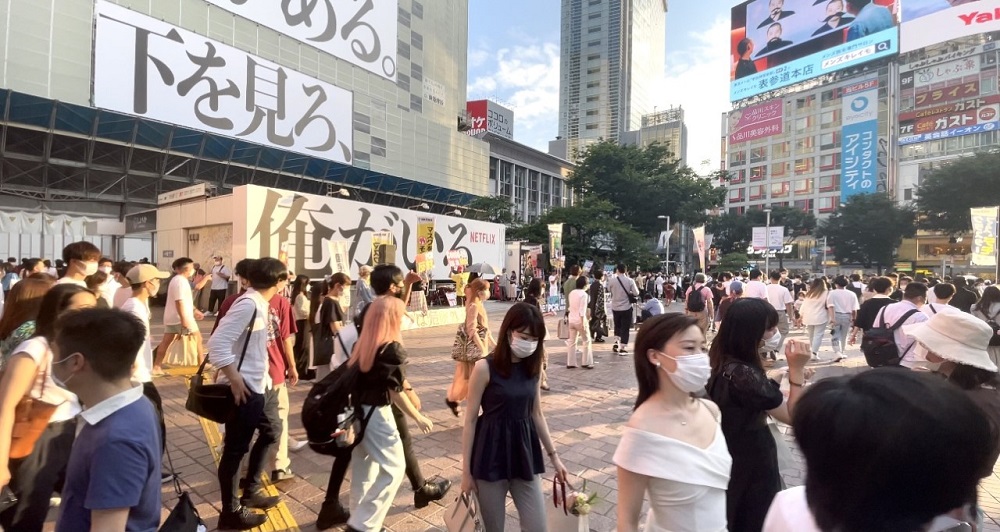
x=502 y=446
x=672 y=449
x=746 y=397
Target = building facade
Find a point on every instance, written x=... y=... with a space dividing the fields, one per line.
x=532 y=180
x=108 y=104
x=664 y=127
x=612 y=54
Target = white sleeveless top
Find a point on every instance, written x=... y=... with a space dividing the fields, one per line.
x=687 y=485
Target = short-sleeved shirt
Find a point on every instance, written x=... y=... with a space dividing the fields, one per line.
x=45 y=388
x=779 y=296
x=282 y=327
x=178 y=290
x=843 y=301
x=121 y=432
x=892 y=314
x=755 y=289
x=67 y=280
x=387 y=373
x=218 y=281
x=144 y=359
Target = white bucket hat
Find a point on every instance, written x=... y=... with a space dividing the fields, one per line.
x=955 y=336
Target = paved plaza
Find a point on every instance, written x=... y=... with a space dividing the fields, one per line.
x=585 y=410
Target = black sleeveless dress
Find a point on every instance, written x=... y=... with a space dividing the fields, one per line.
x=506 y=445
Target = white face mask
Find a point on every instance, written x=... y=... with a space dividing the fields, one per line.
x=692 y=371
x=772 y=343
x=522 y=348
x=89 y=268
x=484 y=295
x=106 y=269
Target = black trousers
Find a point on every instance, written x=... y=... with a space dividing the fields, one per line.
x=258 y=414
x=342 y=461
x=153 y=395
x=623 y=324
x=36 y=477
x=301 y=348
x=215 y=299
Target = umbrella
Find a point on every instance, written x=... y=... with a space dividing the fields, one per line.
x=482 y=268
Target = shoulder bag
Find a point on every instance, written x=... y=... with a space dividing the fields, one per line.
x=631 y=298
x=184 y=517
x=216 y=401
x=463 y=514
x=31 y=417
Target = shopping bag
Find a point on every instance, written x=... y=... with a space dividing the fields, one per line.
x=184 y=351
x=463 y=515
x=564 y=328
x=558 y=516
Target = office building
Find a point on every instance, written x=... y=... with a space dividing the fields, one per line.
x=665 y=128
x=533 y=181
x=612 y=54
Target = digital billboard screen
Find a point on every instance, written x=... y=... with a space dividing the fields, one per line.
x=777 y=43
x=927 y=22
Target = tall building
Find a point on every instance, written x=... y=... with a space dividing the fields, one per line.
x=663 y=127
x=612 y=55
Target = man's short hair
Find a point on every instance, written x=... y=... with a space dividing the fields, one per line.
x=581 y=281
x=111 y=353
x=83 y=251
x=574 y=270
x=755 y=274
x=105 y=260
x=621 y=267
x=841 y=281
x=700 y=277
x=180 y=263
x=915 y=290
x=242 y=268
x=266 y=273
x=880 y=285
x=383 y=277
x=943 y=290
x=775 y=275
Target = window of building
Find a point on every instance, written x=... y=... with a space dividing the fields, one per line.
x=595 y=14
x=533 y=185
x=594 y=2
x=907 y=194
x=557 y=192
x=804 y=205
x=520 y=183
x=738 y=176
x=737 y=210
x=805 y=166
x=988 y=82
x=804 y=123
x=593 y=98
x=418 y=9
x=758 y=154
x=829 y=117
x=805 y=145
x=780 y=190
x=758 y=173
x=546 y=192
x=830 y=97
x=593 y=57
x=804 y=186
x=829 y=183
x=592 y=112
x=593 y=84
x=780 y=169
x=506 y=179
x=594 y=70
x=591 y=126
x=830 y=161
x=736 y=194
x=737 y=158
x=780 y=150
x=756 y=192
x=378 y=146
x=805 y=102
x=594 y=29
x=829 y=140
x=826 y=204
x=592 y=44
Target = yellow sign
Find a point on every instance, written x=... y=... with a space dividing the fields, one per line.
x=425 y=244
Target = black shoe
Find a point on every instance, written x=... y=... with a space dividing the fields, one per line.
x=588 y=367
x=431 y=491
x=570 y=367
x=260 y=500
x=241 y=519
x=453 y=405
x=599 y=340
x=332 y=514
x=614 y=349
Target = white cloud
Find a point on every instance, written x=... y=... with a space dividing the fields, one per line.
x=697 y=79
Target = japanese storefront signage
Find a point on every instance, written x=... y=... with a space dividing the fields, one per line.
x=984 y=236
x=145 y=67
x=859 y=148
x=487 y=115
x=308 y=223
x=556 y=257
x=363 y=32
x=940 y=73
x=756 y=122
x=425 y=244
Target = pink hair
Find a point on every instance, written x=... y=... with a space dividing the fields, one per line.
x=383 y=324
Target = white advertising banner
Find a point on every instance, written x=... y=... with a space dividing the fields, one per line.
x=927 y=22
x=308 y=223
x=148 y=68
x=363 y=33
x=763 y=239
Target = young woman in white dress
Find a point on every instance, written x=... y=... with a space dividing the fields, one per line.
x=672 y=450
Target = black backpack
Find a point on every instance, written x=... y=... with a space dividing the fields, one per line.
x=992 y=322
x=332 y=408
x=879 y=343
x=696 y=300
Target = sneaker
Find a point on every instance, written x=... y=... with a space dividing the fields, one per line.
x=280 y=475
x=331 y=514
x=241 y=519
x=166 y=478
x=599 y=340
x=431 y=491
x=614 y=349
x=623 y=351
x=839 y=357
x=814 y=358
x=259 y=499
x=296 y=445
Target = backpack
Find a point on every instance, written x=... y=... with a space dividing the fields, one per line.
x=696 y=300
x=879 y=343
x=992 y=322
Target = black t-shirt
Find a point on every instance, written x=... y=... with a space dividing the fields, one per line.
x=387 y=374
x=865 y=320
x=329 y=312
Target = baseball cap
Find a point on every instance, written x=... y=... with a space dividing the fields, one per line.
x=144 y=272
x=736 y=287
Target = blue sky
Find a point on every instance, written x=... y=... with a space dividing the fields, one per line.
x=514 y=59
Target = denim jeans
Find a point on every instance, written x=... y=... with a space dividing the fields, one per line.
x=528 y=500
x=258 y=414
x=377 y=470
x=815 y=333
x=842 y=323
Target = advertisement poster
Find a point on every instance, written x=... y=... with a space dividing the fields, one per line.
x=756 y=122
x=425 y=244
x=764 y=238
x=556 y=259
x=984 y=236
x=946 y=102
x=859 y=144
x=338 y=257
x=699 y=241
x=777 y=43
x=927 y=22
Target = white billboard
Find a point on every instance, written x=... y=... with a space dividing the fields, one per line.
x=927 y=22
x=308 y=223
x=768 y=238
x=148 y=68
x=363 y=33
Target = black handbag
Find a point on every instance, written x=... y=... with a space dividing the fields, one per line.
x=216 y=402
x=184 y=517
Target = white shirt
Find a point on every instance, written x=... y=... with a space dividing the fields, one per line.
x=893 y=313
x=108 y=290
x=755 y=289
x=67 y=280
x=938 y=308
x=725 y=285
x=814 y=311
x=779 y=296
x=226 y=344
x=45 y=389
x=144 y=358
x=121 y=296
x=790 y=512
x=105 y=408
x=179 y=290
x=578 y=301
x=218 y=281
x=843 y=301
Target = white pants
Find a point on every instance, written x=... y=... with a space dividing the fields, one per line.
x=281 y=460
x=579 y=330
x=377 y=470
x=528 y=500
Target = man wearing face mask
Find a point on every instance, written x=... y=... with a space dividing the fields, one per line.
x=81 y=262
x=179 y=316
x=111 y=285
x=914 y=297
x=220 y=284
x=781 y=299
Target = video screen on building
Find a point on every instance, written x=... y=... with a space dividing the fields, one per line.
x=928 y=22
x=776 y=43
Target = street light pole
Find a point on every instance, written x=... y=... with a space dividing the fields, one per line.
x=824 y=256
x=767 y=243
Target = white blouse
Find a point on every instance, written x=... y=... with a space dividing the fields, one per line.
x=687 y=485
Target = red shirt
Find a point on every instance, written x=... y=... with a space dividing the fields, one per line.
x=281 y=325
